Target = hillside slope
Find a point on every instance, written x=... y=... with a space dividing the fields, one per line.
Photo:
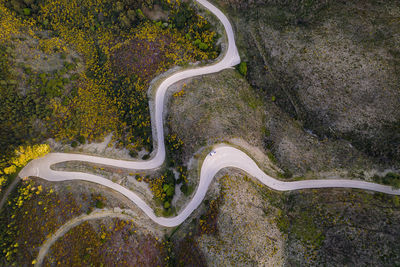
x=332 y=66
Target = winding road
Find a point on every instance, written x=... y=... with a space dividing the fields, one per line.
x=226 y=156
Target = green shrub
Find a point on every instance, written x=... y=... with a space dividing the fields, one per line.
x=74 y=144
x=184 y=16
x=81 y=139
x=187 y=190
x=167 y=205
x=74 y=76
x=169 y=190
x=140 y=15
x=168 y=212
x=391 y=178
x=184 y=189
x=133 y=153
x=242 y=68
x=69 y=66
x=99 y=204
x=90 y=210
x=146 y=157
x=203 y=46
x=119 y=7
x=169 y=177
x=124 y=21
x=27 y=11
x=286 y=174
x=65 y=101
x=271 y=157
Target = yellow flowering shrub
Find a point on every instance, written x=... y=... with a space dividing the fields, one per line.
x=9 y=24
x=179 y=93
x=174 y=142
x=25 y=192
x=27 y=153
x=156 y=187
x=22 y=156
x=122 y=51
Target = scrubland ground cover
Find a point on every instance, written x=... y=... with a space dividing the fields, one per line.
x=310 y=223
x=107 y=242
x=239 y=227
x=206 y=111
x=9 y=168
x=36 y=209
x=335 y=227
x=243 y=222
x=330 y=69
x=79 y=70
x=214 y=108
x=157 y=188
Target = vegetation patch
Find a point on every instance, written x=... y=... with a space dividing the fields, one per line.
x=186 y=251
x=108 y=242
x=121 y=49
x=212 y=109
x=344 y=226
x=231 y=230
x=391 y=178
x=9 y=169
x=34 y=211
x=332 y=68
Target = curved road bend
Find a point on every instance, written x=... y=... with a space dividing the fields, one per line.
x=225 y=156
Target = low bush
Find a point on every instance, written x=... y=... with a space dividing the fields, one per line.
x=242 y=68
x=81 y=139
x=133 y=153
x=99 y=204
x=391 y=178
